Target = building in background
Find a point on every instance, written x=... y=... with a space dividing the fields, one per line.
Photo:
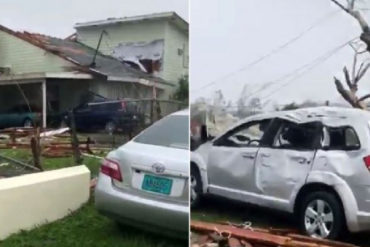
x=54 y=75
x=156 y=44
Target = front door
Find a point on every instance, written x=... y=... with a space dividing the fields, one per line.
x=231 y=160
x=283 y=168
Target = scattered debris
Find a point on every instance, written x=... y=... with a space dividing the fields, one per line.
x=54 y=132
x=19 y=163
x=237 y=235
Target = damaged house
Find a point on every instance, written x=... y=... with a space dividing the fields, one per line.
x=156 y=44
x=55 y=74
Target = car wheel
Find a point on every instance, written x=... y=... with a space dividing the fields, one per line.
x=27 y=123
x=196 y=187
x=110 y=127
x=322 y=216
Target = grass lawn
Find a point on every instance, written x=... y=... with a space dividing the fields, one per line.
x=84 y=227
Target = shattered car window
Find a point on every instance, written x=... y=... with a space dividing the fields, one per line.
x=296 y=136
x=170 y=131
x=249 y=134
x=341 y=138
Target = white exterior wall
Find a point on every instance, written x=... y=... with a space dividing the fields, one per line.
x=118 y=33
x=23 y=57
x=32 y=200
x=176 y=65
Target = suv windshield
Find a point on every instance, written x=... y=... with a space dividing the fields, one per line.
x=171 y=131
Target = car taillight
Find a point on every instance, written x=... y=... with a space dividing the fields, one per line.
x=367 y=161
x=111 y=169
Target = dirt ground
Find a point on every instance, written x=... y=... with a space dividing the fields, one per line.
x=215 y=209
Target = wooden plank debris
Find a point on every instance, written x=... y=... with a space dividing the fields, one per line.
x=237 y=235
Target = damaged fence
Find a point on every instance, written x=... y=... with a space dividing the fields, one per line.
x=226 y=234
x=46 y=143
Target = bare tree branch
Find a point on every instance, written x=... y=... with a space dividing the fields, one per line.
x=348 y=79
x=349 y=96
x=364 y=97
x=362 y=72
x=355 y=13
x=345 y=93
x=340 y=5
x=351 y=4
x=359 y=70
x=354 y=67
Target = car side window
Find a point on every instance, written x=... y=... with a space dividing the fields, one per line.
x=246 y=135
x=340 y=138
x=296 y=136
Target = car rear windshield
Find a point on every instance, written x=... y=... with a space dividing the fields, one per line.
x=171 y=131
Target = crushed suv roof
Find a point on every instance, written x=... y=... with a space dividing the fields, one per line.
x=332 y=116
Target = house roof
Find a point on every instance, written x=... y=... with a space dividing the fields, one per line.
x=82 y=56
x=170 y=16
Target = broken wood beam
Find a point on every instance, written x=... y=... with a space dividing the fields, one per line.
x=251 y=236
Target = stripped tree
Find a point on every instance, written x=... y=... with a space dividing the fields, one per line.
x=352 y=80
x=350 y=94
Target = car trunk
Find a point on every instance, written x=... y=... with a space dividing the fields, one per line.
x=153 y=171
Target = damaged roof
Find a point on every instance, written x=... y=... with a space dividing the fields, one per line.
x=82 y=56
x=171 y=16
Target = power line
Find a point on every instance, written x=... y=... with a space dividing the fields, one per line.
x=272 y=52
x=310 y=67
x=297 y=70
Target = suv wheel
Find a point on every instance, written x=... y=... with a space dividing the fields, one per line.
x=196 y=187
x=321 y=215
x=27 y=123
x=110 y=127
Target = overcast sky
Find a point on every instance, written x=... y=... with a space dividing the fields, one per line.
x=227 y=35
x=57 y=17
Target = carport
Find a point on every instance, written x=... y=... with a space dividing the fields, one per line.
x=36 y=90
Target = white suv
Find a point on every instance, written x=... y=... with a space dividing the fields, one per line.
x=313 y=162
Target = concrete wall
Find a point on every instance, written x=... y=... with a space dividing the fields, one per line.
x=23 y=57
x=31 y=200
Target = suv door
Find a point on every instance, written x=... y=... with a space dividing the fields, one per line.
x=231 y=159
x=283 y=167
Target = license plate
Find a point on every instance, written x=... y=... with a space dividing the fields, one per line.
x=157 y=184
